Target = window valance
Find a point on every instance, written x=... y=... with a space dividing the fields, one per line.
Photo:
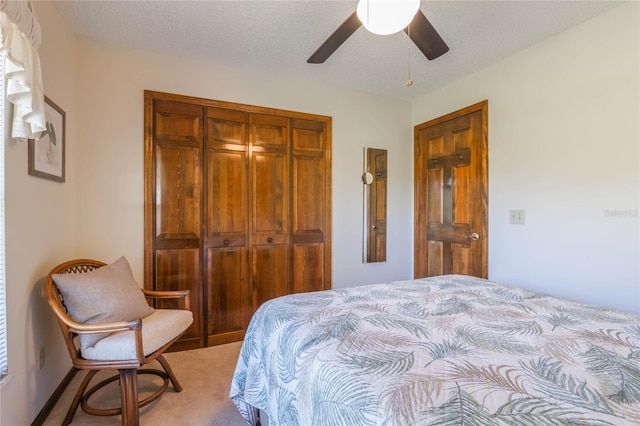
x=19 y=43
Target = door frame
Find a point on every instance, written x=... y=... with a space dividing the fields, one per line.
x=420 y=208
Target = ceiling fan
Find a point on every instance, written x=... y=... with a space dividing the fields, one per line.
x=420 y=30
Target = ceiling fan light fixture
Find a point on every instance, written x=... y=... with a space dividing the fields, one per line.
x=385 y=17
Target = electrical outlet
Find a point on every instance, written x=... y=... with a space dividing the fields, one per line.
x=516 y=217
x=41 y=358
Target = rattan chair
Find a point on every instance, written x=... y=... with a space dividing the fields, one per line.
x=128 y=369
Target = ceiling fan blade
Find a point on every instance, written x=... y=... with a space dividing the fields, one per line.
x=336 y=39
x=426 y=37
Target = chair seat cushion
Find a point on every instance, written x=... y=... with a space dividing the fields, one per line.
x=106 y=294
x=158 y=329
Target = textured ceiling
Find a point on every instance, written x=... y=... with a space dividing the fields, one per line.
x=278 y=36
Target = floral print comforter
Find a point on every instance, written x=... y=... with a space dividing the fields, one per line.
x=450 y=350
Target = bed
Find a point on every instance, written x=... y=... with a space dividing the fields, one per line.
x=449 y=350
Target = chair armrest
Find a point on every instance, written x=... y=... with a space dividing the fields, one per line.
x=173 y=294
x=167 y=294
x=110 y=327
x=81 y=328
x=107 y=327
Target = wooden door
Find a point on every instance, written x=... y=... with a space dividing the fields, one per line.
x=226 y=224
x=377 y=209
x=237 y=208
x=451 y=213
x=175 y=190
x=270 y=195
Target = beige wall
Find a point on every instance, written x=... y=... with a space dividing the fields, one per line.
x=564 y=146
x=41 y=232
x=110 y=87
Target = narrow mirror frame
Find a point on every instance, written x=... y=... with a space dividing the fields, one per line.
x=374 y=178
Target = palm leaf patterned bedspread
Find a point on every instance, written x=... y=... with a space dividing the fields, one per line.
x=450 y=350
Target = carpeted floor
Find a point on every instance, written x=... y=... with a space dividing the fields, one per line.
x=205 y=375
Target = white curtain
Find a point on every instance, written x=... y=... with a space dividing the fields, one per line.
x=19 y=43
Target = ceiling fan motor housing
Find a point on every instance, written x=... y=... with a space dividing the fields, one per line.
x=386 y=17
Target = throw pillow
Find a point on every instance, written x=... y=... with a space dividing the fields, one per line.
x=106 y=294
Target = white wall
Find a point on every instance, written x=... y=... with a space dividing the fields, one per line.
x=564 y=146
x=110 y=88
x=40 y=232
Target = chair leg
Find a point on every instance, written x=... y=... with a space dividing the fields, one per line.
x=174 y=380
x=78 y=397
x=129 y=396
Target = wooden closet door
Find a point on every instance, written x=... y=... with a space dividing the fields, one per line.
x=226 y=224
x=311 y=186
x=237 y=208
x=269 y=207
x=177 y=195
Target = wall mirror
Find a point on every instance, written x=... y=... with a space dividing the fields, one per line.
x=374 y=180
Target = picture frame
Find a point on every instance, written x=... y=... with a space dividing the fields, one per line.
x=47 y=154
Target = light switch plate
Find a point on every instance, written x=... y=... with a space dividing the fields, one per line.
x=516 y=217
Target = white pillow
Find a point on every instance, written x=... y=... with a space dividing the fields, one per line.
x=106 y=294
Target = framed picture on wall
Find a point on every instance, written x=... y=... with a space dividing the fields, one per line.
x=47 y=154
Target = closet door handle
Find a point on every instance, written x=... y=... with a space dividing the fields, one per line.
x=269 y=239
x=226 y=241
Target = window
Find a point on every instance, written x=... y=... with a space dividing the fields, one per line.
x=3 y=301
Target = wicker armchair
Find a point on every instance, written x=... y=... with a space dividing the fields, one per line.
x=128 y=346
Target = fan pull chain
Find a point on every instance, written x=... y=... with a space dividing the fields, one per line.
x=409 y=82
x=368 y=11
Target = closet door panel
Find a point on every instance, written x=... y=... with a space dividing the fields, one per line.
x=308 y=197
x=226 y=283
x=270 y=132
x=226 y=127
x=270 y=198
x=269 y=179
x=308 y=224
x=308 y=267
x=226 y=197
x=177 y=122
x=179 y=269
x=178 y=178
x=308 y=137
x=270 y=273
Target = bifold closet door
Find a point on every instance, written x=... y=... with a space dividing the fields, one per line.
x=310 y=202
x=226 y=224
x=269 y=195
x=177 y=208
